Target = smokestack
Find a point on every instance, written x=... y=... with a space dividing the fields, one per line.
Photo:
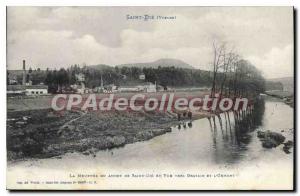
x=24 y=73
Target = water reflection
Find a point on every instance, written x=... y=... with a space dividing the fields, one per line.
x=231 y=132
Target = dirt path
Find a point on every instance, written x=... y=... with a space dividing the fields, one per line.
x=83 y=113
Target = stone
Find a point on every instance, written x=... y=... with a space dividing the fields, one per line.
x=270 y=139
x=287 y=146
x=261 y=134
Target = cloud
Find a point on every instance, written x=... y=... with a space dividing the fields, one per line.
x=278 y=62
x=60 y=36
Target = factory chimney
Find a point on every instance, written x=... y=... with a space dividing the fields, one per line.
x=24 y=74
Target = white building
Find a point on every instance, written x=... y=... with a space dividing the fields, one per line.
x=148 y=87
x=142 y=77
x=80 y=77
x=36 y=90
x=128 y=89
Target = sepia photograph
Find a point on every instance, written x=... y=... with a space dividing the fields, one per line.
x=150 y=98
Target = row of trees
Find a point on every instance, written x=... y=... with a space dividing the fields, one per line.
x=232 y=75
x=170 y=76
x=164 y=76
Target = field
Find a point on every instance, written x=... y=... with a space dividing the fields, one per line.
x=44 y=102
x=34 y=130
x=42 y=133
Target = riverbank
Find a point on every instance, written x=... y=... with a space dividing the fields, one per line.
x=43 y=133
x=34 y=130
x=286 y=96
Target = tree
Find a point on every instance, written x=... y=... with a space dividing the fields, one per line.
x=218 y=52
x=232 y=74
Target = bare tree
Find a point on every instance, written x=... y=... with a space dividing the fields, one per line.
x=228 y=61
x=218 y=52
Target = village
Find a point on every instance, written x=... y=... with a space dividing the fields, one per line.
x=14 y=88
x=44 y=131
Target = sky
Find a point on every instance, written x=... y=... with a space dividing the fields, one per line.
x=55 y=37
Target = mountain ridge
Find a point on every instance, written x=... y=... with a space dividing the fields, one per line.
x=163 y=62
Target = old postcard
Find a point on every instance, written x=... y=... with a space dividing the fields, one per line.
x=150 y=98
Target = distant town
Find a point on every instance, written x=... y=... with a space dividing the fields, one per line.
x=161 y=75
x=149 y=78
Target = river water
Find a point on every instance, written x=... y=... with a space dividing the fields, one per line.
x=201 y=146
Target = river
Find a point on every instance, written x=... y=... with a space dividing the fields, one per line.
x=198 y=147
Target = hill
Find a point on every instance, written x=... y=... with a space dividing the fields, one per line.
x=287 y=83
x=162 y=63
x=99 y=67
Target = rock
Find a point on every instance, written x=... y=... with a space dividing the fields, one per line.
x=287 y=146
x=286 y=150
x=270 y=139
x=261 y=134
x=269 y=144
x=277 y=137
x=289 y=143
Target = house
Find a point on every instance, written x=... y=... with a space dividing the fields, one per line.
x=13 y=81
x=128 y=89
x=147 y=87
x=36 y=90
x=80 y=77
x=142 y=77
x=15 y=76
x=142 y=87
x=150 y=88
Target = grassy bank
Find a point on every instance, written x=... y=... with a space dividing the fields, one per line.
x=42 y=133
x=35 y=131
x=286 y=96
